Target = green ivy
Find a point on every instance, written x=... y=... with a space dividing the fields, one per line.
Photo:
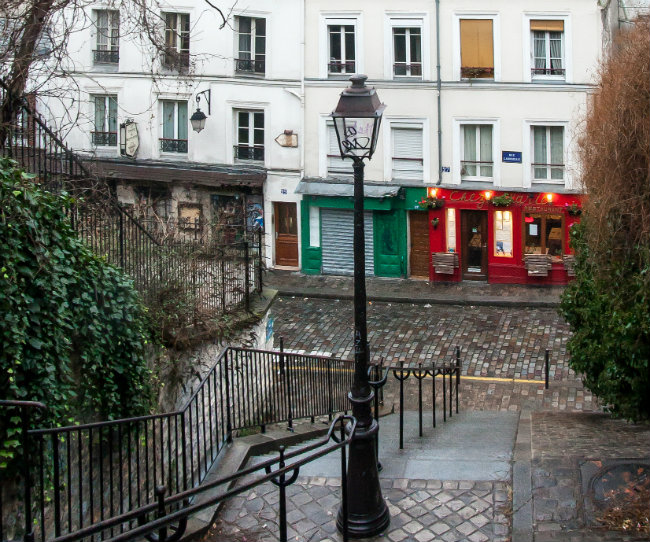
x=73 y=329
x=609 y=314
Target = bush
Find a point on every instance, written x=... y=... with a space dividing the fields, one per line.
x=608 y=304
x=73 y=330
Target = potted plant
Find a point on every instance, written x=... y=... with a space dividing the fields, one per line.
x=573 y=209
x=431 y=203
x=503 y=200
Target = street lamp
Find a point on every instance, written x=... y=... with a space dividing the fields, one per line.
x=198 y=118
x=356 y=120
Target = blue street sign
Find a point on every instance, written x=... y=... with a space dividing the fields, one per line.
x=511 y=156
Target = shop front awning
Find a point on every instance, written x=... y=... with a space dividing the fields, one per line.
x=344 y=188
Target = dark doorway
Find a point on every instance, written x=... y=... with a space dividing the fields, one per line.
x=474 y=241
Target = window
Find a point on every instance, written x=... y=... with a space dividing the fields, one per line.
x=341 y=48
x=407 y=52
x=190 y=216
x=174 y=128
x=251 y=45
x=250 y=135
x=543 y=235
x=451 y=230
x=152 y=202
x=476 y=49
x=548 y=154
x=107 y=47
x=503 y=234
x=105 y=125
x=408 y=161
x=476 y=152
x=547 y=49
x=177 y=41
x=336 y=166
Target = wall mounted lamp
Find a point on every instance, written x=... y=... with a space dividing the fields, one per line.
x=198 y=117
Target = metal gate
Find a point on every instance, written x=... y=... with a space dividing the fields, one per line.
x=337 y=228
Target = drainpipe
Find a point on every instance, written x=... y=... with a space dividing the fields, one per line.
x=439 y=88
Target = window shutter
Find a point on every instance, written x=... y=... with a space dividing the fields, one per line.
x=407 y=153
x=476 y=44
x=335 y=164
x=547 y=26
x=168 y=120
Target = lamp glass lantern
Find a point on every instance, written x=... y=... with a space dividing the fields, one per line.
x=198 y=120
x=357 y=119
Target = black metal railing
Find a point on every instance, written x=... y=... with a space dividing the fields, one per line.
x=404 y=69
x=176 y=60
x=84 y=475
x=246 y=152
x=106 y=56
x=547 y=71
x=173 y=145
x=105 y=139
x=342 y=67
x=250 y=65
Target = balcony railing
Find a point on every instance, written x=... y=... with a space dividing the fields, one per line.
x=250 y=66
x=106 y=56
x=244 y=152
x=467 y=72
x=548 y=173
x=176 y=60
x=402 y=69
x=476 y=168
x=104 y=139
x=536 y=72
x=337 y=66
x=173 y=145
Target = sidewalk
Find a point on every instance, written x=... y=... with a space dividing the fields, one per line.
x=293 y=283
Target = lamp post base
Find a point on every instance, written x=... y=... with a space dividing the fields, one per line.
x=368 y=513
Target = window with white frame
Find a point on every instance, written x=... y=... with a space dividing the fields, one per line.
x=251 y=45
x=177 y=40
x=407 y=147
x=477 y=161
x=336 y=166
x=174 y=126
x=407 y=52
x=250 y=135
x=547 y=49
x=107 y=45
x=477 y=48
x=548 y=154
x=104 y=132
x=341 y=47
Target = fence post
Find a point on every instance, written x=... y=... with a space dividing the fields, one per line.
x=458 y=369
x=223 y=281
x=121 y=240
x=29 y=524
x=260 y=265
x=247 y=277
x=228 y=420
x=546 y=368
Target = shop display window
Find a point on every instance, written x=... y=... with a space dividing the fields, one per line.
x=503 y=234
x=543 y=235
x=451 y=230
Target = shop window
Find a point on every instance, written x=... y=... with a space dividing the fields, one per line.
x=314 y=226
x=408 y=160
x=503 y=234
x=251 y=45
x=543 y=235
x=476 y=49
x=476 y=159
x=451 y=230
x=547 y=49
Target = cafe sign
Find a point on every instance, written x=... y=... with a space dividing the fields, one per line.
x=129 y=139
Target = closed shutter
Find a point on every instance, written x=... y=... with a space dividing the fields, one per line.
x=407 y=152
x=336 y=166
x=476 y=46
x=337 y=242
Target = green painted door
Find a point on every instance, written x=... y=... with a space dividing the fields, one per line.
x=389 y=243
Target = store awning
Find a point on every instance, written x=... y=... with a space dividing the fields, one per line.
x=345 y=189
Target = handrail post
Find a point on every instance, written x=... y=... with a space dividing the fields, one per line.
x=458 y=370
x=121 y=240
x=29 y=524
x=184 y=451
x=247 y=277
x=283 y=499
x=160 y=494
x=260 y=265
x=228 y=420
x=546 y=368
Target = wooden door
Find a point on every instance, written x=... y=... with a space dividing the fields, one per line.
x=286 y=234
x=474 y=242
x=419 y=258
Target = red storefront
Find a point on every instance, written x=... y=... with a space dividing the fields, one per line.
x=501 y=237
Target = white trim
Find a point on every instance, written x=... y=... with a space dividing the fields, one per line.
x=457 y=143
x=394 y=19
x=568 y=45
x=339 y=17
x=496 y=40
x=323 y=145
x=527 y=151
x=396 y=122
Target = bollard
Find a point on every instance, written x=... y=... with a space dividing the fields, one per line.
x=546 y=368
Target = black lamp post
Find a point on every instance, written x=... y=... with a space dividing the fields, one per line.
x=356 y=120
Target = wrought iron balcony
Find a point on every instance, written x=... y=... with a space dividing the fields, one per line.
x=403 y=69
x=104 y=139
x=337 y=66
x=244 y=65
x=173 y=145
x=176 y=60
x=244 y=152
x=106 y=56
x=536 y=72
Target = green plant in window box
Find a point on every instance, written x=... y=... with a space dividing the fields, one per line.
x=431 y=203
x=504 y=200
x=573 y=209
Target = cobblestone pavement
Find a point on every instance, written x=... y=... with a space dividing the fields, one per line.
x=420 y=510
